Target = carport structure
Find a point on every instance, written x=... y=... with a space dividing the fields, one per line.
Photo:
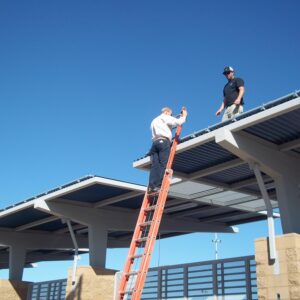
x=102 y=214
x=258 y=151
x=214 y=188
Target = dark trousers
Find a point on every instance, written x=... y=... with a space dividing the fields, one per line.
x=159 y=152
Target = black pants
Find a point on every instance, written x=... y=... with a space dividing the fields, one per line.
x=159 y=152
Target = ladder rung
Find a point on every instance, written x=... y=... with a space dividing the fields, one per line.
x=132 y=273
x=126 y=293
x=148 y=223
x=143 y=239
x=150 y=208
x=136 y=256
x=151 y=194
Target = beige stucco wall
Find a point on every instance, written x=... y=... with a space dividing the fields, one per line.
x=287 y=283
x=92 y=284
x=13 y=290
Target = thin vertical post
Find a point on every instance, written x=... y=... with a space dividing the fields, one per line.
x=271 y=226
x=215 y=280
x=248 y=279
x=74 y=269
x=185 y=283
x=159 y=284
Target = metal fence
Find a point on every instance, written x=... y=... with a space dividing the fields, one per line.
x=48 y=290
x=226 y=279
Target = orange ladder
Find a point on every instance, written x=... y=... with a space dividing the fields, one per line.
x=145 y=233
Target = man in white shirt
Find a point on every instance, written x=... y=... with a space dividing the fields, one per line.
x=161 y=128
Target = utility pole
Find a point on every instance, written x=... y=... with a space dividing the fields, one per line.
x=216 y=241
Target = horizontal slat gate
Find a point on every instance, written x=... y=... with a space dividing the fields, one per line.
x=227 y=279
x=48 y=290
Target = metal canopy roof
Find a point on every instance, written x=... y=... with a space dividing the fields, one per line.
x=217 y=189
x=107 y=194
x=199 y=159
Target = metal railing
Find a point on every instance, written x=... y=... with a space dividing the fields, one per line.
x=48 y=290
x=224 y=279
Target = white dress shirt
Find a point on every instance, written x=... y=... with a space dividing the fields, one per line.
x=162 y=126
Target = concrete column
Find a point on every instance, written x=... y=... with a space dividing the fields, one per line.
x=92 y=283
x=17 y=255
x=97 y=245
x=288 y=194
x=14 y=290
x=283 y=286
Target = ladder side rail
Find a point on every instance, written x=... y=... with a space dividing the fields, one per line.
x=141 y=277
x=133 y=247
x=173 y=148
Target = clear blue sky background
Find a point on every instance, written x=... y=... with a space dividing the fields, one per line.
x=80 y=82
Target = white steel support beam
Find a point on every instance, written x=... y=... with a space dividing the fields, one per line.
x=99 y=221
x=36 y=240
x=76 y=256
x=216 y=168
x=244 y=183
x=121 y=220
x=35 y=257
x=109 y=218
x=271 y=227
x=282 y=167
x=290 y=145
x=119 y=198
x=64 y=230
x=36 y=223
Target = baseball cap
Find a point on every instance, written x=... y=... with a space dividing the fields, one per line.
x=228 y=69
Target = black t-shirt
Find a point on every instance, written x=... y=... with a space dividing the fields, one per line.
x=231 y=91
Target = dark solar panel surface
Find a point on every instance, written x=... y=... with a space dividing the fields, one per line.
x=96 y=193
x=22 y=217
x=51 y=226
x=134 y=202
x=201 y=157
x=232 y=175
x=279 y=130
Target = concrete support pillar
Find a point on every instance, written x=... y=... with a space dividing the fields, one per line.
x=93 y=283
x=287 y=188
x=14 y=290
x=17 y=255
x=283 y=286
x=97 y=245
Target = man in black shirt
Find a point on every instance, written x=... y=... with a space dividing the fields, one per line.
x=233 y=95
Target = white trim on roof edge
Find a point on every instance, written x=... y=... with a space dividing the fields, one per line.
x=72 y=188
x=236 y=126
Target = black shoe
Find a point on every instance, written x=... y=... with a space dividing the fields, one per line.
x=153 y=189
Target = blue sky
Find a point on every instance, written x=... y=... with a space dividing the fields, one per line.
x=80 y=82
